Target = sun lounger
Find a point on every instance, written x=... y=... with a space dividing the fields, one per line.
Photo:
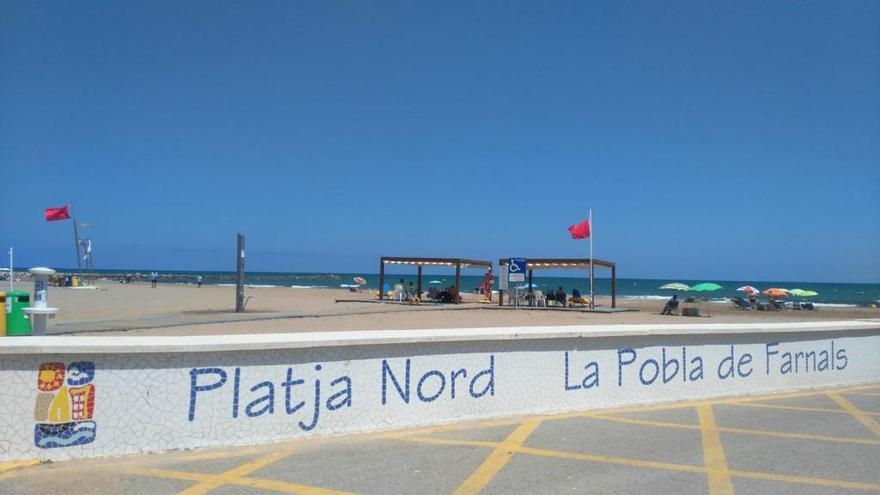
x=741 y=304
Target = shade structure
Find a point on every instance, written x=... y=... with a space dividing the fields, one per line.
x=675 y=286
x=360 y=280
x=748 y=289
x=435 y=282
x=420 y=262
x=533 y=264
x=705 y=287
x=775 y=292
x=803 y=293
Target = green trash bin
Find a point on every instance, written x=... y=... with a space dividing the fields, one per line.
x=17 y=323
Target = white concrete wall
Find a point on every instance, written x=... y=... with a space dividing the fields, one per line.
x=158 y=393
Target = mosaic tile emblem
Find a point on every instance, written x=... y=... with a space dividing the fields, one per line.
x=65 y=405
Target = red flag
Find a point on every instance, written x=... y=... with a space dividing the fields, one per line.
x=53 y=214
x=581 y=230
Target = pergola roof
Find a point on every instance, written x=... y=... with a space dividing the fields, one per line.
x=542 y=263
x=463 y=262
x=563 y=263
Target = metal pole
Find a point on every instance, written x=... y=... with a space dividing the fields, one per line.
x=419 y=287
x=591 y=259
x=381 y=278
x=239 y=276
x=457 y=281
x=11 y=270
x=76 y=244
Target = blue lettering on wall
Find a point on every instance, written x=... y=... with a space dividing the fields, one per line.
x=387 y=373
x=195 y=387
x=261 y=396
x=432 y=383
x=796 y=360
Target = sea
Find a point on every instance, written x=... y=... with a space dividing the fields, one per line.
x=830 y=294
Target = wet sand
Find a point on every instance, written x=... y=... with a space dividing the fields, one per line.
x=137 y=309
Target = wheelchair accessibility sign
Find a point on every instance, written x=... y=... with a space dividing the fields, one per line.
x=516 y=270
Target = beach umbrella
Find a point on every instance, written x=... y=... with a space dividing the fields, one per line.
x=435 y=282
x=675 y=286
x=748 y=289
x=360 y=280
x=803 y=293
x=775 y=292
x=705 y=287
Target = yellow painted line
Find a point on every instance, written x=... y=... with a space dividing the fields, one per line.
x=497 y=459
x=778 y=396
x=744 y=431
x=209 y=456
x=666 y=466
x=8 y=466
x=443 y=441
x=856 y=392
x=861 y=416
x=605 y=459
x=393 y=435
x=608 y=459
x=175 y=475
x=718 y=472
x=11 y=469
x=279 y=486
x=235 y=473
x=285 y=487
x=805 y=480
x=794 y=408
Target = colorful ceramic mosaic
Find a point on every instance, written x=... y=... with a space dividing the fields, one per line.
x=65 y=405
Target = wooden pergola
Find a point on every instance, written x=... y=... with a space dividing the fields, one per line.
x=458 y=263
x=566 y=263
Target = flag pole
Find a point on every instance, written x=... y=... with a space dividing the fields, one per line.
x=591 y=258
x=11 y=269
x=76 y=245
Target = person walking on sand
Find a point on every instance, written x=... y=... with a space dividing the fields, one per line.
x=154 y=278
x=199 y=280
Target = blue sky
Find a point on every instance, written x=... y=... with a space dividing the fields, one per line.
x=713 y=140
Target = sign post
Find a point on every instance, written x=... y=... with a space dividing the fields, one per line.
x=516 y=270
x=239 y=275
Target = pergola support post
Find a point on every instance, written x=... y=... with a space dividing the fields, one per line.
x=419 y=286
x=381 y=278
x=614 y=286
x=457 y=280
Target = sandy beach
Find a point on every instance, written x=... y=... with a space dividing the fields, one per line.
x=174 y=309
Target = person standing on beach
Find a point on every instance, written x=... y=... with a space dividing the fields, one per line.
x=154 y=278
x=199 y=280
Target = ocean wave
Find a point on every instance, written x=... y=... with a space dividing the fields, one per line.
x=308 y=286
x=650 y=297
x=835 y=305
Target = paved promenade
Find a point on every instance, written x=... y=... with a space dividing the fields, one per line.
x=823 y=441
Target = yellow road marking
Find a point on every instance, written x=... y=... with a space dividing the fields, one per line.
x=666 y=466
x=856 y=392
x=805 y=480
x=498 y=458
x=861 y=416
x=713 y=453
x=235 y=473
x=279 y=486
x=7 y=466
x=744 y=431
x=793 y=408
